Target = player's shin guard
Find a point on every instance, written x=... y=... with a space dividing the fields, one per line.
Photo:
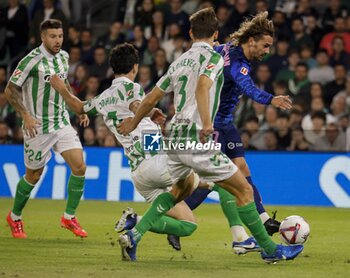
x=75 y=191
x=159 y=207
x=171 y=226
x=257 y=197
x=197 y=197
x=251 y=219
x=22 y=195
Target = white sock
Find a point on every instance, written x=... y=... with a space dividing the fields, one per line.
x=238 y=233
x=15 y=217
x=264 y=217
x=68 y=216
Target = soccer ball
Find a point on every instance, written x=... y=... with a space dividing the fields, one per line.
x=294 y=230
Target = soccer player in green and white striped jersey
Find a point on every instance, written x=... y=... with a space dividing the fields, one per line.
x=46 y=125
x=148 y=169
x=196 y=80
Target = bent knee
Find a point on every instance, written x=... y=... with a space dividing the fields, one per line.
x=242 y=165
x=188 y=228
x=79 y=170
x=33 y=176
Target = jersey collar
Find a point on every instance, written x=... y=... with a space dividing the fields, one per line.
x=45 y=52
x=199 y=44
x=121 y=79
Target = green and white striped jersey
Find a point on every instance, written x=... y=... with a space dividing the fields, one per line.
x=44 y=103
x=113 y=104
x=182 y=77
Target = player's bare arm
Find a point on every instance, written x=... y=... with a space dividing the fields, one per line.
x=145 y=107
x=156 y=114
x=202 y=97
x=13 y=94
x=83 y=118
x=72 y=101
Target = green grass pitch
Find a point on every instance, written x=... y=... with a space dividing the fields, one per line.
x=51 y=251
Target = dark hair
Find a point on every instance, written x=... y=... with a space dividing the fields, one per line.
x=204 y=23
x=296 y=112
x=252 y=119
x=123 y=57
x=303 y=64
x=298 y=128
x=282 y=115
x=319 y=114
x=50 y=24
x=281 y=84
x=245 y=131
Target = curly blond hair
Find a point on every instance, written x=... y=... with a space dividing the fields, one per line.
x=256 y=27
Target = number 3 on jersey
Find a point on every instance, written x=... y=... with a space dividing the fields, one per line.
x=183 y=79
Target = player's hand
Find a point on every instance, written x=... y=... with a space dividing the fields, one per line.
x=57 y=83
x=157 y=116
x=126 y=126
x=84 y=120
x=29 y=125
x=205 y=132
x=282 y=102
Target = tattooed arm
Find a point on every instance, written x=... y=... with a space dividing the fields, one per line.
x=13 y=94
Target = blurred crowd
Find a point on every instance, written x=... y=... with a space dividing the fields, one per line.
x=310 y=62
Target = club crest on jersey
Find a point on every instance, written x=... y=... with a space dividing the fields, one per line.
x=244 y=71
x=210 y=66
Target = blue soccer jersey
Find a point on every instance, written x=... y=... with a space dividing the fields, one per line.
x=237 y=82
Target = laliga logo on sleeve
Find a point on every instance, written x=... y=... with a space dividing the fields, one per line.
x=17 y=73
x=244 y=71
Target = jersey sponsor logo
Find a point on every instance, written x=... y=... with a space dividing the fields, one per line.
x=226 y=51
x=62 y=76
x=244 y=71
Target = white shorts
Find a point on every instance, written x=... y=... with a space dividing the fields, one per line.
x=152 y=177
x=211 y=166
x=37 y=150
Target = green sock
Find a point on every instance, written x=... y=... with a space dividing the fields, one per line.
x=228 y=206
x=22 y=195
x=172 y=226
x=159 y=207
x=75 y=191
x=251 y=219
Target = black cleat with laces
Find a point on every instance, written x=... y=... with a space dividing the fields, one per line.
x=272 y=225
x=174 y=241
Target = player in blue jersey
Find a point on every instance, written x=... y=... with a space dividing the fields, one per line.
x=250 y=42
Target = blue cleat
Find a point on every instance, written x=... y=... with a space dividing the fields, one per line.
x=283 y=252
x=128 y=246
x=127 y=221
x=243 y=247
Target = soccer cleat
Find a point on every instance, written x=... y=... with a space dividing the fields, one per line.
x=247 y=246
x=283 y=252
x=174 y=241
x=127 y=221
x=74 y=226
x=272 y=225
x=128 y=246
x=17 y=228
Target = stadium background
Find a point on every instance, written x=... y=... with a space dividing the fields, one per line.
x=303 y=152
